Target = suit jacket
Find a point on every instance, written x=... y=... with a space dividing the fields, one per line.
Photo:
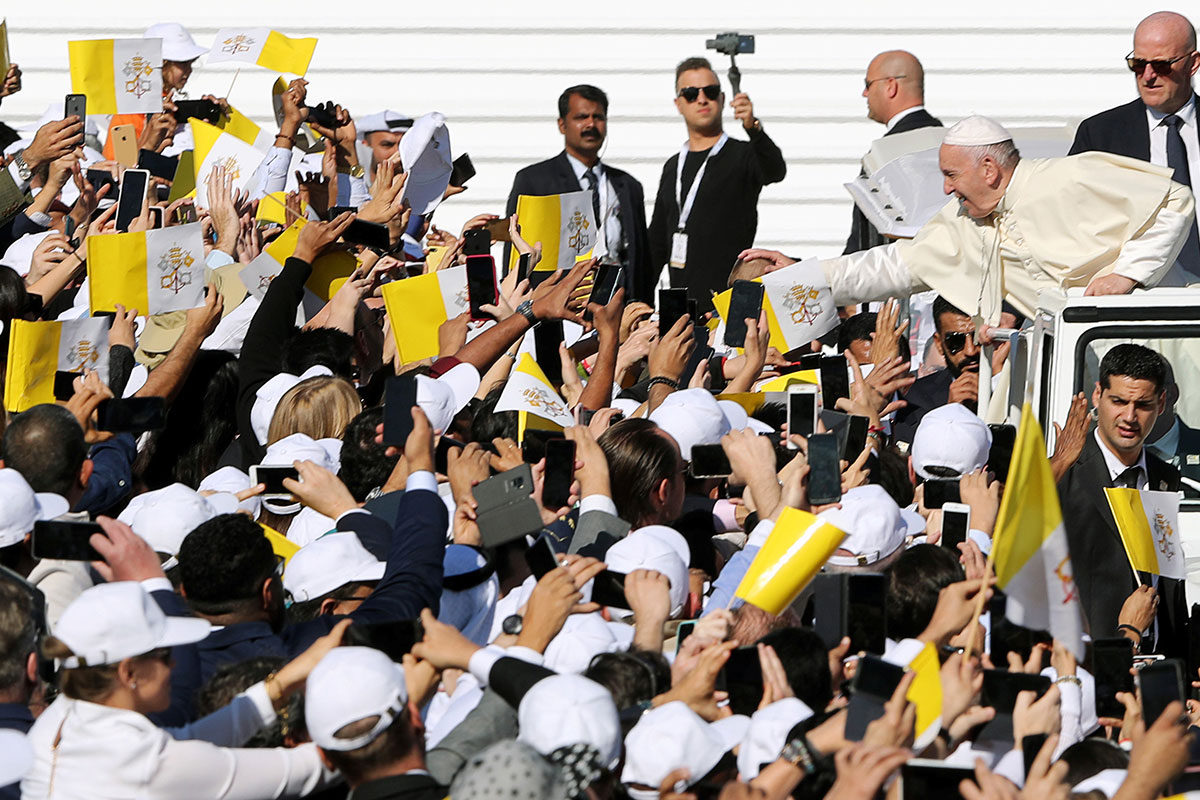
x=1122 y=130
x=863 y=235
x=555 y=176
x=1098 y=559
x=926 y=394
x=397 y=787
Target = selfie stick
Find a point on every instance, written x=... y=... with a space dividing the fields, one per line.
x=735 y=75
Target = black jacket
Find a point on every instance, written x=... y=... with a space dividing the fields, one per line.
x=926 y=394
x=863 y=235
x=1123 y=130
x=399 y=787
x=1098 y=559
x=555 y=176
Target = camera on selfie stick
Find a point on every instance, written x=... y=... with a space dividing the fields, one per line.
x=731 y=44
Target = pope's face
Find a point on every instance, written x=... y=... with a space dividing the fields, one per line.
x=972 y=182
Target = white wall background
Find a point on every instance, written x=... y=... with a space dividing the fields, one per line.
x=496 y=69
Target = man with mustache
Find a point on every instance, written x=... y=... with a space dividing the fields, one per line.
x=618 y=201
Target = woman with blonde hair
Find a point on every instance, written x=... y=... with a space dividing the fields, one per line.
x=319 y=407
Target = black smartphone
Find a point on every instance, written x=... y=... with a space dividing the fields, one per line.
x=477 y=242
x=940 y=491
x=369 y=234
x=924 y=778
x=851 y=604
x=503 y=524
x=272 y=477
x=461 y=171
x=1031 y=745
x=1001 y=687
x=336 y=211
x=709 y=461
x=75 y=106
x=547 y=336
x=1004 y=437
x=956 y=522
x=481 y=284
x=1161 y=684
x=559 y=474
x=65 y=541
x=64 y=385
x=394 y=638
x=204 y=110
x=400 y=395
x=504 y=489
x=835 y=381
x=441 y=456
x=672 y=304
x=608 y=589
x=131 y=414
x=1112 y=665
x=742 y=677
x=100 y=178
x=685 y=629
x=533 y=444
x=609 y=278
x=541 y=557
x=716 y=373
x=524 y=263
x=133 y=194
x=873 y=684
x=856 y=437
x=156 y=217
x=745 y=303
x=825 y=475
x=802 y=412
x=157 y=164
x=322 y=114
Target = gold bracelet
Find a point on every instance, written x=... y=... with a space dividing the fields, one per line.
x=274 y=689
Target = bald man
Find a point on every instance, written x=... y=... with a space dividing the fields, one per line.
x=895 y=92
x=1160 y=126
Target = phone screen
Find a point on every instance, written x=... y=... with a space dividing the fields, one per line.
x=608 y=589
x=441 y=456
x=608 y=279
x=541 y=557
x=921 y=779
x=877 y=678
x=1000 y=454
x=956 y=521
x=856 y=437
x=1112 y=660
x=938 y=492
x=825 y=475
x=205 y=110
x=742 y=677
x=559 y=474
x=672 y=304
x=369 y=234
x=709 y=461
x=102 y=177
x=461 y=171
x=481 y=284
x=547 y=336
x=745 y=303
x=158 y=165
x=76 y=106
x=131 y=415
x=273 y=477
x=865 y=623
x=1161 y=684
x=801 y=415
x=395 y=638
x=523 y=265
x=64 y=385
x=477 y=242
x=133 y=194
x=1001 y=687
x=835 y=381
x=400 y=395
x=66 y=541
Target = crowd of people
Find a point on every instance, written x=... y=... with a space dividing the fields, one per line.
x=390 y=620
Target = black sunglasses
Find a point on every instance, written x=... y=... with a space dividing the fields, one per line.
x=1161 y=66
x=955 y=341
x=692 y=93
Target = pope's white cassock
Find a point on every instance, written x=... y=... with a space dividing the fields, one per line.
x=1061 y=223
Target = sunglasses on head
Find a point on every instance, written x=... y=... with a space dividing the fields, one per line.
x=692 y=93
x=955 y=341
x=1161 y=66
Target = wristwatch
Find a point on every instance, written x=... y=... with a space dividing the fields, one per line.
x=799 y=753
x=356 y=171
x=23 y=169
x=512 y=624
x=525 y=309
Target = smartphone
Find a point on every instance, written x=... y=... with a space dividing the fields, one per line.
x=205 y=110
x=157 y=164
x=75 y=106
x=672 y=304
x=547 y=336
x=461 y=171
x=1161 y=684
x=509 y=523
x=559 y=474
x=131 y=414
x=322 y=114
x=1001 y=687
x=477 y=242
x=133 y=195
x=709 y=461
x=873 y=684
x=533 y=444
x=940 y=491
x=608 y=589
x=99 y=178
x=851 y=604
x=65 y=541
x=685 y=629
x=441 y=456
x=156 y=217
x=825 y=475
x=125 y=146
x=394 y=639
x=716 y=373
x=336 y=211
x=745 y=303
x=1000 y=454
x=609 y=278
x=923 y=778
x=856 y=437
x=1031 y=745
x=1112 y=666
x=481 y=285
x=835 y=381
x=273 y=477
x=498 y=229
x=64 y=385
x=742 y=677
x=801 y=412
x=541 y=557
x=400 y=395
x=524 y=263
x=956 y=521
x=504 y=489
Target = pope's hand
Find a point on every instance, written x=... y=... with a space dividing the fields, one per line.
x=1110 y=284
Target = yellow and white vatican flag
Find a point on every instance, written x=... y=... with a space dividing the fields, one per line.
x=417 y=307
x=264 y=47
x=565 y=225
x=217 y=148
x=528 y=390
x=119 y=76
x=797 y=548
x=1149 y=526
x=1032 y=562
x=153 y=271
x=798 y=302
x=328 y=271
x=38 y=350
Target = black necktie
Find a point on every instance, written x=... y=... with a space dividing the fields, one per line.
x=1177 y=159
x=1129 y=478
x=594 y=185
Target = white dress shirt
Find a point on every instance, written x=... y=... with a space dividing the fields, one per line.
x=1158 y=137
x=609 y=209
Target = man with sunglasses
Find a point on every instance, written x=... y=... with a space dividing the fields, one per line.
x=706 y=210
x=1160 y=126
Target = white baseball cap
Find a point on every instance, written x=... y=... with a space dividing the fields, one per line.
x=267 y=398
x=22 y=507
x=673 y=736
x=691 y=417
x=115 y=621
x=442 y=398
x=582 y=638
x=329 y=563
x=564 y=710
x=231 y=480
x=351 y=684
x=166 y=516
x=324 y=453
x=652 y=551
x=875 y=525
x=388 y=120
x=177 y=43
x=19 y=255
x=425 y=154
x=768 y=732
x=950 y=436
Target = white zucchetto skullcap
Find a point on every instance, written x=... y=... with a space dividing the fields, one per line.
x=976 y=131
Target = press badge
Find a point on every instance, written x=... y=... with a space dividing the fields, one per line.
x=679 y=250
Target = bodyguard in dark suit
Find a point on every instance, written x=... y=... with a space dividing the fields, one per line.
x=895 y=92
x=1128 y=399
x=617 y=198
x=1176 y=443
x=1161 y=125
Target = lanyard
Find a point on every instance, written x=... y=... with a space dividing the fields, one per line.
x=685 y=206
